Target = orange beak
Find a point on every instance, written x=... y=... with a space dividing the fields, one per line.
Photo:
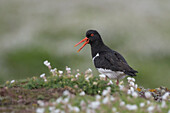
x=85 y=39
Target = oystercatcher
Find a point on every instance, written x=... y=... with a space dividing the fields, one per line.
x=107 y=61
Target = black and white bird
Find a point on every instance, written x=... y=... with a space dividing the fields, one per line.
x=107 y=61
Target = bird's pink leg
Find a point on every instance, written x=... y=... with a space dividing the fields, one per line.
x=117 y=83
x=106 y=78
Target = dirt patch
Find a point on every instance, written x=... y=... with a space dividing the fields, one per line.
x=25 y=100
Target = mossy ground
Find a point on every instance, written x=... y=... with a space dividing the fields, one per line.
x=23 y=95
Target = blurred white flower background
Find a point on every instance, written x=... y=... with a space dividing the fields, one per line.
x=34 y=31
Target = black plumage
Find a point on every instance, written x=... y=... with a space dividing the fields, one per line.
x=106 y=59
x=112 y=60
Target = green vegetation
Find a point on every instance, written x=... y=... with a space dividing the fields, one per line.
x=91 y=87
x=75 y=92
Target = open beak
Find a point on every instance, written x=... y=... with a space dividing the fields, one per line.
x=85 y=39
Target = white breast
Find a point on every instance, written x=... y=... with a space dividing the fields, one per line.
x=95 y=56
x=112 y=74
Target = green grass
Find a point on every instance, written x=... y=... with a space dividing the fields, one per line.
x=53 y=96
x=80 y=84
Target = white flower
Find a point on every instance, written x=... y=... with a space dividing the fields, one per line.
x=136 y=86
x=42 y=75
x=129 y=79
x=60 y=72
x=62 y=111
x=47 y=63
x=78 y=74
x=142 y=104
x=40 y=102
x=112 y=98
x=150 y=108
x=135 y=94
x=121 y=83
x=108 y=88
x=82 y=103
x=110 y=82
x=68 y=69
x=65 y=100
x=40 y=110
x=132 y=89
x=59 y=100
x=12 y=81
x=102 y=76
x=94 y=104
x=105 y=100
x=82 y=93
x=70 y=107
x=51 y=108
x=122 y=103
x=89 y=70
x=163 y=105
x=165 y=96
x=94 y=83
x=53 y=70
x=121 y=87
x=88 y=110
x=128 y=91
x=66 y=93
x=133 y=79
x=114 y=109
x=87 y=78
x=148 y=102
x=98 y=97
x=131 y=107
x=45 y=80
x=57 y=111
x=131 y=84
x=148 y=94
x=76 y=109
x=169 y=111
x=105 y=92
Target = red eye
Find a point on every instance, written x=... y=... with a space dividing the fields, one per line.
x=92 y=34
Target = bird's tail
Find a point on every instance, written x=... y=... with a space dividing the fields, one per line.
x=131 y=73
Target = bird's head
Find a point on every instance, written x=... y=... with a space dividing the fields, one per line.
x=92 y=36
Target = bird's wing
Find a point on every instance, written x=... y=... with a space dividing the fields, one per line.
x=118 y=63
